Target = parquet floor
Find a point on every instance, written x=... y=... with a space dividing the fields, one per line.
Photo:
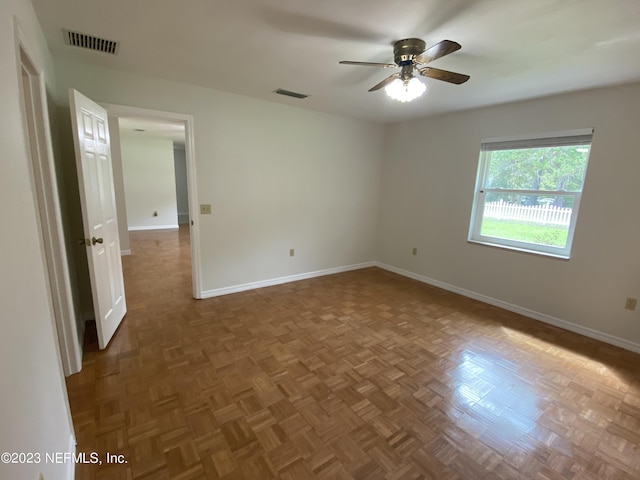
x=360 y=375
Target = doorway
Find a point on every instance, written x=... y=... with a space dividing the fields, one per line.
x=132 y=130
x=153 y=161
x=51 y=231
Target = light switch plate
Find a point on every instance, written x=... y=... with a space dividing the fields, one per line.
x=205 y=209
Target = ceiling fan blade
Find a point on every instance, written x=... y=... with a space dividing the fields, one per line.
x=444 y=75
x=439 y=50
x=385 y=82
x=370 y=64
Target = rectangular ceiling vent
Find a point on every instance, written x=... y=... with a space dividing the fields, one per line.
x=77 y=39
x=288 y=93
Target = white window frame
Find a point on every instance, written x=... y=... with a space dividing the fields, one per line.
x=488 y=145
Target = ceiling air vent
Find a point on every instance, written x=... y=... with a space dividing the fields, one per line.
x=282 y=91
x=77 y=39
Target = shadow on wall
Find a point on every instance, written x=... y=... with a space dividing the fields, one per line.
x=69 y=192
x=182 y=188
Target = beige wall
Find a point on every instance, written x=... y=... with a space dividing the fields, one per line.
x=34 y=415
x=429 y=176
x=149 y=182
x=277 y=177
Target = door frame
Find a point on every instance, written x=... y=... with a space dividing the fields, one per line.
x=39 y=145
x=189 y=149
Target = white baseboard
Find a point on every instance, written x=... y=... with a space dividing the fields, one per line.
x=71 y=466
x=154 y=227
x=277 y=281
x=125 y=252
x=557 y=322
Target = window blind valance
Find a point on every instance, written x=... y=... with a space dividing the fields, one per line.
x=557 y=139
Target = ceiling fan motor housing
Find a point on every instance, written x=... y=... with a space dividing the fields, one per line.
x=404 y=51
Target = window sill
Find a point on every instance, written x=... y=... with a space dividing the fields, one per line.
x=558 y=256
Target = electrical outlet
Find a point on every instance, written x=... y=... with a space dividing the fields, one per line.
x=292 y=252
x=205 y=209
x=631 y=303
x=414 y=251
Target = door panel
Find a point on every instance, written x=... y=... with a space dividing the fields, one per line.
x=97 y=199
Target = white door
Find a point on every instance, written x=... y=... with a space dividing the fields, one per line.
x=95 y=178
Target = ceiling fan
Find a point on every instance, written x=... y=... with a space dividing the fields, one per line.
x=410 y=55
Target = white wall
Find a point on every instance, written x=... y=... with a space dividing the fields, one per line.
x=277 y=177
x=429 y=176
x=34 y=415
x=182 y=189
x=149 y=183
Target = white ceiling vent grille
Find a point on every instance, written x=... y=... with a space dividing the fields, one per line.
x=77 y=39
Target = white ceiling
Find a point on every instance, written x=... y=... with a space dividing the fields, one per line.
x=513 y=49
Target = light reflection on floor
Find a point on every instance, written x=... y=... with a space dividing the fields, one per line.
x=489 y=391
x=551 y=349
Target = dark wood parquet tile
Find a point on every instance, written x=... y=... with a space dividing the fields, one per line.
x=360 y=375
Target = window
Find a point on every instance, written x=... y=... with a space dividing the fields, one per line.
x=528 y=191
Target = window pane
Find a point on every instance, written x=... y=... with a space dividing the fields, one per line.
x=537 y=219
x=548 y=168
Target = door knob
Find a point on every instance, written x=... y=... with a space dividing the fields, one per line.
x=95 y=240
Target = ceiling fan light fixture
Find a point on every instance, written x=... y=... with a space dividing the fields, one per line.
x=405 y=90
